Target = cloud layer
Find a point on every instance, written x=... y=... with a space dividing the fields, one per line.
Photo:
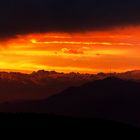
x=27 y=16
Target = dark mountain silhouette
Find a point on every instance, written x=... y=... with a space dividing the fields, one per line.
x=111 y=98
x=37 y=85
x=43 y=84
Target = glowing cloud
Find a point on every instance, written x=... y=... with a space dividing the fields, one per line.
x=80 y=52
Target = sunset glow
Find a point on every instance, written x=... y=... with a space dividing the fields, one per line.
x=89 y=52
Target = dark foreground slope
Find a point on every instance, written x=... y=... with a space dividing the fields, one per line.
x=52 y=122
x=110 y=99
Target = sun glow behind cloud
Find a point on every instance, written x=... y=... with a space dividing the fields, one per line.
x=89 y=52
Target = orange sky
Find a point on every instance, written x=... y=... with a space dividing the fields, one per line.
x=88 y=52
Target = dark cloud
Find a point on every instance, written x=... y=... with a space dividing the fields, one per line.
x=25 y=16
x=72 y=51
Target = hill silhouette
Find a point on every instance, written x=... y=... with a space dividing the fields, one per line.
x=37 y=85
x=111 y=98
x=43 y=84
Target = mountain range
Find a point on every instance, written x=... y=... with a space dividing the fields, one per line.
x=110 y=98
x=43 y=84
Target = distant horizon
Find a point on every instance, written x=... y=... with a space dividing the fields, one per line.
x=30 y=72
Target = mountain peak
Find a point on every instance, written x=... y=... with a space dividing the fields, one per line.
x=113 y=79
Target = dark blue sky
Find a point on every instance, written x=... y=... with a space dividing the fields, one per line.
x=26 y=16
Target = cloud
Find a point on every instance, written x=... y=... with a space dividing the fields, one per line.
x=98 y=54
x=72 y=51
x=29 y=16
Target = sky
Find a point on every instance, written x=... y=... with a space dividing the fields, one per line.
x=86 y=36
